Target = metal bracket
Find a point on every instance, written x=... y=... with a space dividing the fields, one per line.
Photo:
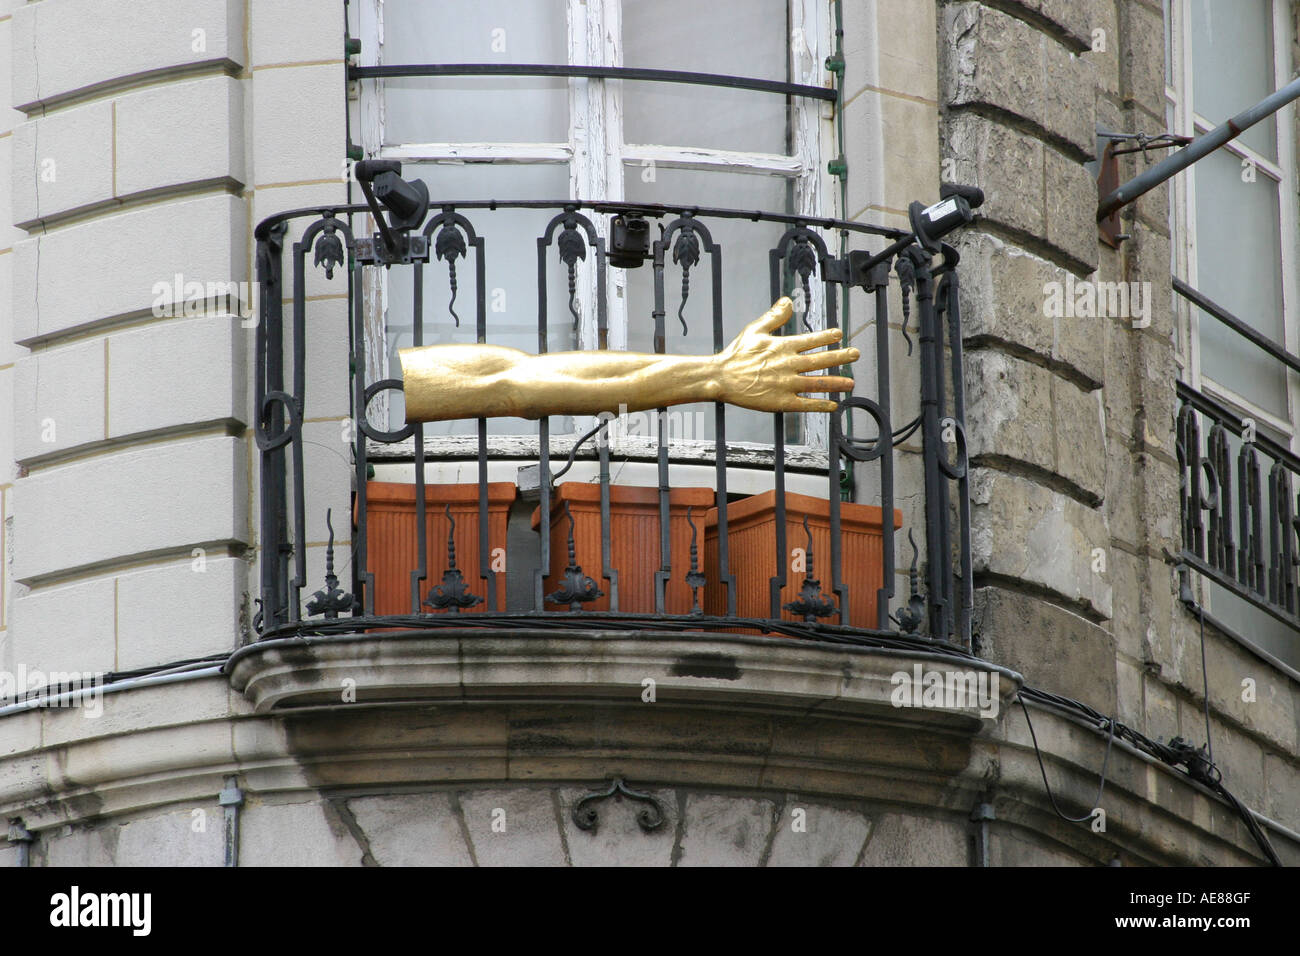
x=1108 y=229
x=867 y=271
x=18 y=833
x=373 y=252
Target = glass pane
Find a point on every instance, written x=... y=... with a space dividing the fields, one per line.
x=510 y=254
x=1259 y=627
x=1232 y=64
x=475 y=109
x=745 y=283
x=1238 y=252
x=685 y=35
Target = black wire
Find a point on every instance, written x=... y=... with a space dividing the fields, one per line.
x=1110 y=739
x=1205 y=677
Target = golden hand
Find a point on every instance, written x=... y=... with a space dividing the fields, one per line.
x=762 y=371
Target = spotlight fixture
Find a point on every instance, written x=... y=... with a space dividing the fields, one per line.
x=629 y=241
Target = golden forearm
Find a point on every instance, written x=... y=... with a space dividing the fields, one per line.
x=444 y=382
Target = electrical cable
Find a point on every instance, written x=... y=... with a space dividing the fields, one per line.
x=1110 y=739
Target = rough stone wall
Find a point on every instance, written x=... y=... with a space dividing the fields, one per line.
x=1075 y=481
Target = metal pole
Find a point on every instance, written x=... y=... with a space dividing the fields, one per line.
x=231 y=798
x=1197 y=149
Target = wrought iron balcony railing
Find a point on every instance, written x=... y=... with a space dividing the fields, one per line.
x=687 y=575
x=1240 y=514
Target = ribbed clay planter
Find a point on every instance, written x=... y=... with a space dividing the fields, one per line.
x=391 y=536
x=751 y=530
x=634 y=543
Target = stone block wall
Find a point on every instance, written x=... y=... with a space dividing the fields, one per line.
x=1071 y=418
x=129 y=472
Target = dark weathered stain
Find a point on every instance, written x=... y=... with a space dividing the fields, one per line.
x=716 y=666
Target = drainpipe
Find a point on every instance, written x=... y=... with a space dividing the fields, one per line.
x=981 y=816
x=1198 y=148
x=20 y=835
x=231 y=798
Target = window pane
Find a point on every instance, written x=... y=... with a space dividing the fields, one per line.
x=1232 y=64
x=475 y=109
x=1238 y=252
x=745 y=283
x=685 y=35
x=1259 y=627
x=510 y=254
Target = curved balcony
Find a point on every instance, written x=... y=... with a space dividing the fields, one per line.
x=699 y=561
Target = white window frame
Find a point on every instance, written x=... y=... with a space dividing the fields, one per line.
x=597 y=156
x=1282 y=172
x=1187 y=122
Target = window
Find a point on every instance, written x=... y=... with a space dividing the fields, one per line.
x=1234 y=223
x=548 y=137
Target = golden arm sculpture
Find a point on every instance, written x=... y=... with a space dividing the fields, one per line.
x=757 y=370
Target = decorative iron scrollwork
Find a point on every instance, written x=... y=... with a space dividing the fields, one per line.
x=450 y=244
x=906 y=270
x=329 y=250
x=331 y=599
x=694 y=577
x=577 y=589
x=572 y=248
x=811 y=603
x=910 y=617
x=650 y=817
x=453 y=592
x=686 y=253
x=803 y=260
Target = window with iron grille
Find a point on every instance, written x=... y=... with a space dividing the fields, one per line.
x=1234 y=220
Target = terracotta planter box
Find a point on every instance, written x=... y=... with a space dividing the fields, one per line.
x=751 y=529
x=634 y=543
x=391 y=549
